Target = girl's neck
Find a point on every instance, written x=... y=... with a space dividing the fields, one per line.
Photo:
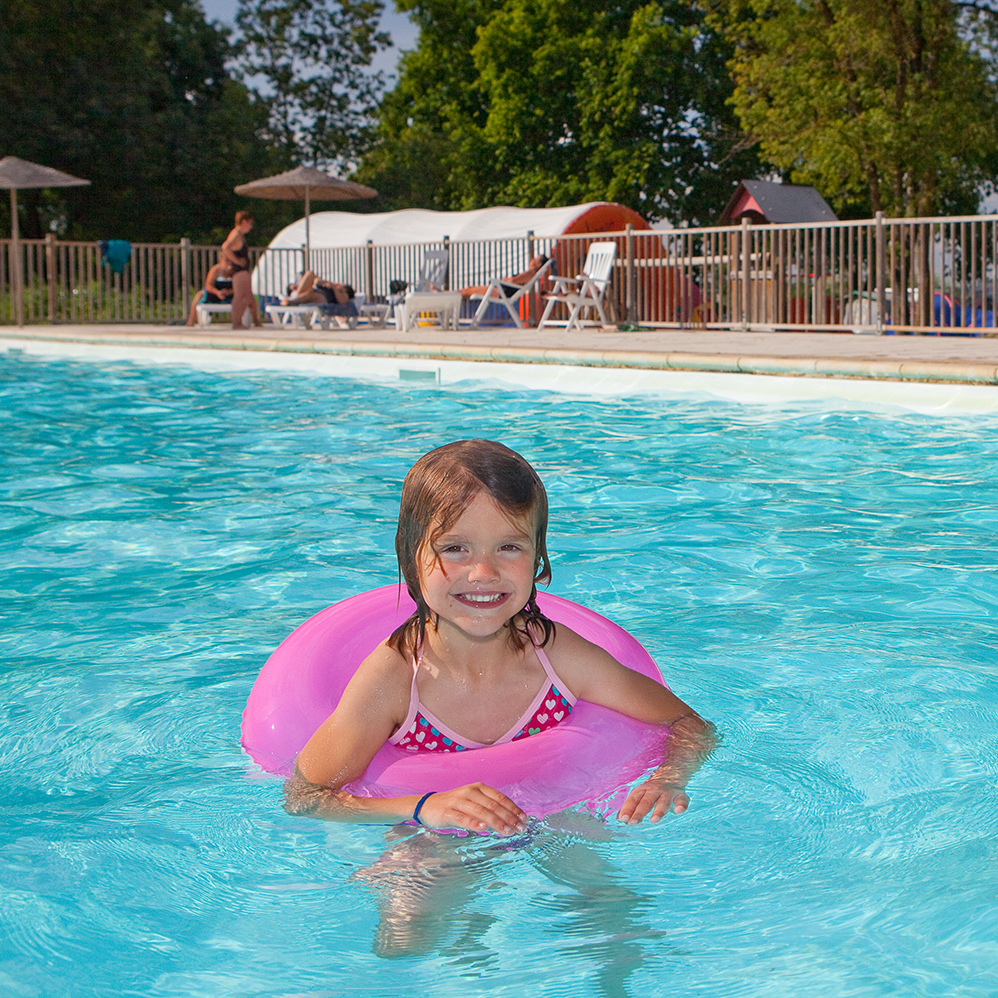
x=451 y=649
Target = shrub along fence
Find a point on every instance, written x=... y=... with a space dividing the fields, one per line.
x=919 y=275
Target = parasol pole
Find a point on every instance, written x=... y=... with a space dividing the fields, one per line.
x=308 y=240
x=17 y=284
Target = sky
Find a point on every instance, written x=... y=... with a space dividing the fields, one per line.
x=402 y=30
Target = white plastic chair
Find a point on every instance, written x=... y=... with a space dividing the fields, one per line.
x=427 y=295
x=432 y=276
x=433 y=273
x=582 y=293
x=496 y=294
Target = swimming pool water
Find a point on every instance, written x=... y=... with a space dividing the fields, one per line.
x=819 y=582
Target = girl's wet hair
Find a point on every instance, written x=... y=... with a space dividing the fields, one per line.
x=440 y=486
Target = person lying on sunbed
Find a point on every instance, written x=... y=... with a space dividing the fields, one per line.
x=510 y=285
x=312 y=290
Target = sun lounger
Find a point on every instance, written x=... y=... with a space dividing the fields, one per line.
x=497 y=294
x=205 y=313
x=305 y=316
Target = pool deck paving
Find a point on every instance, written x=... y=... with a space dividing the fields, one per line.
x=953 y=359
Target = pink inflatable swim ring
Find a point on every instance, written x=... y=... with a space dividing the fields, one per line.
x=589 y=759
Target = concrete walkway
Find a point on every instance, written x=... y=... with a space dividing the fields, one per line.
x=972 y=360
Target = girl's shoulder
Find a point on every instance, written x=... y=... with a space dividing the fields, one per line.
x=381 y=685
x=387 y=664
x=563 y=640
x=575 y=658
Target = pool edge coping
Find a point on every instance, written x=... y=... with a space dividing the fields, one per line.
x=952 y=372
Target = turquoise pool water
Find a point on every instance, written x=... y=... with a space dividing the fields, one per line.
x=820 y=583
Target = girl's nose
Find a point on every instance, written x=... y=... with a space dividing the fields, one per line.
x=483 y=569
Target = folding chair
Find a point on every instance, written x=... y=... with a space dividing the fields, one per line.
x=585 y=292
x=497 y=293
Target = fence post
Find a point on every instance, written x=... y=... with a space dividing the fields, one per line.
x=881 y=288
x=370 y=270
x=50 y=273
x=17 y=281
x=447 y=271
x=185 y=273
x=922 y=275
x=821 y=304
x=745 y=272
x=629 y=276
x=532 y=300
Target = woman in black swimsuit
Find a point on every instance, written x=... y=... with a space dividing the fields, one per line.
x=217 y=290
x=235 y=252
x=510 y=285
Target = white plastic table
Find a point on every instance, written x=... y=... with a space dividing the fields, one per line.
x=445 y=304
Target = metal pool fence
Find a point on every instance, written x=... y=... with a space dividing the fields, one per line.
x=880 y=275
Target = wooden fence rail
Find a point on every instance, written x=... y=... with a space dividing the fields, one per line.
x=919 y=275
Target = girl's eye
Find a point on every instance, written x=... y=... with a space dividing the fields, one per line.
x=510 y=547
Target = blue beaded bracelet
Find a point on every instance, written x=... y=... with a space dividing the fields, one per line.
x=419 y=806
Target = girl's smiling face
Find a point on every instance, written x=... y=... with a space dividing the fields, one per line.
x=479 y=573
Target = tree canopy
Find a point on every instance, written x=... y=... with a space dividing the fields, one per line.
x=659 y=104
x=881 y=106
x=310 y=60
x=135 y=98
x=551 y=102
x=146 y=101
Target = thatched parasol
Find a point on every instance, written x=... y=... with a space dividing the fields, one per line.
x=306 y=183
x=18 y=174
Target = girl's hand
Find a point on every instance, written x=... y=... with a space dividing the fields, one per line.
x=689 y=741
x=657 y=796
x=475 y=808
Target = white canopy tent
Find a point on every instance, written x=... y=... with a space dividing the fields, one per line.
x=331 y=229
x=394 y=232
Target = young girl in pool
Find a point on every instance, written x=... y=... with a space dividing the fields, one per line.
x=478 y=658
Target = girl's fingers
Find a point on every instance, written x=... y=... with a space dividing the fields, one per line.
x=655 y=799
x=476 y=807
x=496 y=811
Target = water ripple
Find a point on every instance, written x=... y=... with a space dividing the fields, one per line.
x=819 y=583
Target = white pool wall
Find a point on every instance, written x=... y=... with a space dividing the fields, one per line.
x=759 y=389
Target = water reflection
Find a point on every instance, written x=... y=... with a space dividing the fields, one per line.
x=434 y=893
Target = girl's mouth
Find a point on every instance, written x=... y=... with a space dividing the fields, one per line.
x=481 y=599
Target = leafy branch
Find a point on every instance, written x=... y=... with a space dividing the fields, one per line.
x=309 y=61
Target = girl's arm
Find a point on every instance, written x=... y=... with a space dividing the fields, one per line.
x=373 y=705
x=592 y=674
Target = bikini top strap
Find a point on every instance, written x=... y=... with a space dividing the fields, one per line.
x=553 y=676
x=413 y=704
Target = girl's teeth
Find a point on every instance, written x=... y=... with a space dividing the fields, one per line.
x=481 y=599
